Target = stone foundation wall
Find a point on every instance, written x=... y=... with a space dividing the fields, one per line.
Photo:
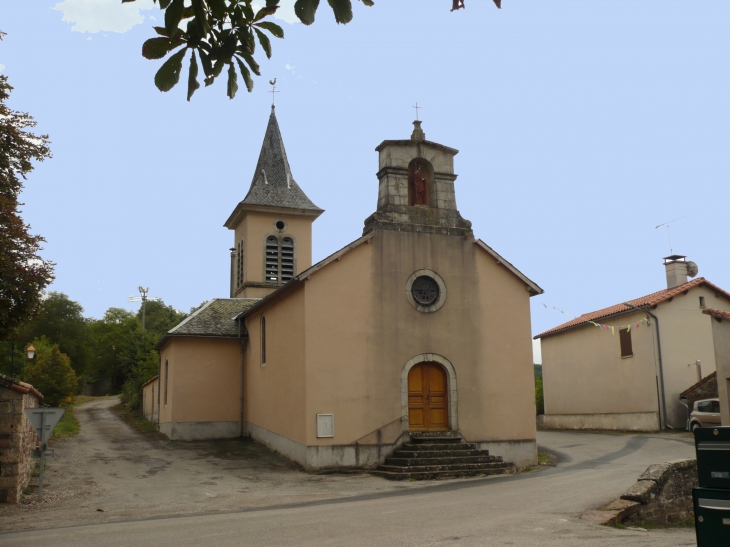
x=663 y=493
x=17 y=438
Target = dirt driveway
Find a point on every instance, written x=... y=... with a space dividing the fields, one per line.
x=110 y=466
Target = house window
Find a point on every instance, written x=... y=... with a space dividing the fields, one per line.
x=702 y=301
x=167 y=376
x=239 y=265
x=279 y=259
x=625 y=339
x=263 y=340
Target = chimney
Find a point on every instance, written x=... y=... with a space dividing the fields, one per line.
x=677 y=270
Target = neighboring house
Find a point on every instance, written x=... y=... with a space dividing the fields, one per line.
x=631 y=380
x=721 y=342
x=150 y=396
x=333 y=364
x=17 y=437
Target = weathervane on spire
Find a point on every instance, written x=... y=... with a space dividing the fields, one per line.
x=417 y=107
x=273 y=90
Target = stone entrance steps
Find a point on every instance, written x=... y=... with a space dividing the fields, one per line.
x=440 y=455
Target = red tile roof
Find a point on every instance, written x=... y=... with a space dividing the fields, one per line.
x=717 y=314
x=652 y=300
x=702 y=382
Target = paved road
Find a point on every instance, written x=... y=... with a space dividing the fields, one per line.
x=541 y=508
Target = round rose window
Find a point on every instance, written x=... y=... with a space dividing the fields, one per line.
x=425 y=290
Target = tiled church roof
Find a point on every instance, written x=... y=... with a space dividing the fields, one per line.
x=216 y=318
x=273 y=183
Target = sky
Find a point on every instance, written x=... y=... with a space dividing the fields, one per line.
x=580 y=125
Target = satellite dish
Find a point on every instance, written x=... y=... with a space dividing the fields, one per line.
x=692 y=269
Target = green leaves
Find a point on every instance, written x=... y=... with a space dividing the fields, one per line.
x=193 y=84
x=265 y=42
x=157 y=48
x=173 y=16
x=220 y=31
x=342 y=9
x=169 y=73
x=305 y=10
x=232 y=81
x=273 y=28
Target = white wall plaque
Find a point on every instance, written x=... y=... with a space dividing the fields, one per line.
x=325 y=425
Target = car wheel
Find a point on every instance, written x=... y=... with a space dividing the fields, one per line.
x=694 y=426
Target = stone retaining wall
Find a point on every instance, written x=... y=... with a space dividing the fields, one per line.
x=17 y=437
x=663 y=493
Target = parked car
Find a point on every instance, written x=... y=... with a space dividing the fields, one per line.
x=706 y=413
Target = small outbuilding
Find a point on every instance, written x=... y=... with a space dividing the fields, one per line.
x=17 y=437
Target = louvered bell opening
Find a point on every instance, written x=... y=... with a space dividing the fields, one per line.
x=287 y=259
x=272 y=260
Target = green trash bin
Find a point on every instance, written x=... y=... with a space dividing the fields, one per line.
x=713 y=457
x=712 y=516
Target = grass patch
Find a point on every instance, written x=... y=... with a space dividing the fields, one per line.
x=528 y=469
x=68 y=425
x=543 y=458
x=134 y=419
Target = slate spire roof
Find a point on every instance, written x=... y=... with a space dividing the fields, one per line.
x=273 y=183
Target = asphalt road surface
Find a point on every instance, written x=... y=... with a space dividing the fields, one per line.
x=539 y=508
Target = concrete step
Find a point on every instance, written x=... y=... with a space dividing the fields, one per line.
x=438 y=446
x=448 y=467
x=400 y=453
x=444 y=460
x=435 y=437
x=434 y=475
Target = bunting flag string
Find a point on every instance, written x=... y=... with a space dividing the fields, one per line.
x=611 y=328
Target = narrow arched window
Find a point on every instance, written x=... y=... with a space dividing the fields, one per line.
x=272 y=259
x=263 y=340
x=167 y=376
x=239 y=265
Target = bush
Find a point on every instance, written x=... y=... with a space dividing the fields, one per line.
x=51 y=373
x=539 y=398
x=145 y=369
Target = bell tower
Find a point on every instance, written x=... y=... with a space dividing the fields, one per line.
x=416 y=188
x=272 y=226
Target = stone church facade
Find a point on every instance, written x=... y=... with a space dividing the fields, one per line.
x=416 y=326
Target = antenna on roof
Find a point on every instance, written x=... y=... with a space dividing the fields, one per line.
x=143 y=298
x=668 y=236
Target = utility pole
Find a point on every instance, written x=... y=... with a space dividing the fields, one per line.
x=143 y=298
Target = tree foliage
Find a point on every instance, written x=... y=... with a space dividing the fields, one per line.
x=23 y=273
x=61 y=320
x=50 y=372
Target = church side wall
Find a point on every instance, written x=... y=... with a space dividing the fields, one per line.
x=584 y=375
x=274 y=399
x=203 y=390
x=502 y=399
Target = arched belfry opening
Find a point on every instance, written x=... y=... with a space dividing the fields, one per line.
x=420 y=183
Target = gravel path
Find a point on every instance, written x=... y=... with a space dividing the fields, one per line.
x=128 y=475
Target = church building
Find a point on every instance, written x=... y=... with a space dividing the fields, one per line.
x=416 y=326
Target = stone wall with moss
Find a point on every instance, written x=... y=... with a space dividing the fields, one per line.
x=17 y=440
x=663 y=494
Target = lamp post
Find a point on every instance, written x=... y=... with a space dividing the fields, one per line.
x=30 y=351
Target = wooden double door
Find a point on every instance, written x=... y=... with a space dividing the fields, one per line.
x=428 y=398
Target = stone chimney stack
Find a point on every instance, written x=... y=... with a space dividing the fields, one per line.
x=677 y=270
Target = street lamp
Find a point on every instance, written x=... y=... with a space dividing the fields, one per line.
x=31 y=351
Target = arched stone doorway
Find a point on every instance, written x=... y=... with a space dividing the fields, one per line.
x=428 y=393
